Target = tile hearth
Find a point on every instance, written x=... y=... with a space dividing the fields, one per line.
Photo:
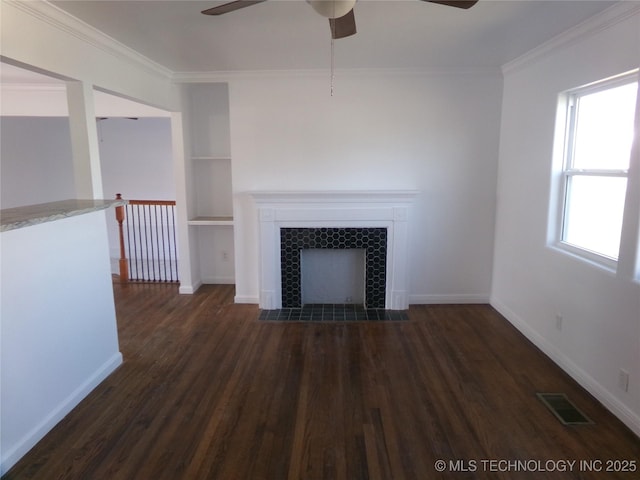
x=333 y=313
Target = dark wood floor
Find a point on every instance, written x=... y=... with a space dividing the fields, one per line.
x=208 y=392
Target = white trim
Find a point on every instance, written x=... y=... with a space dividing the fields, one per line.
x=10 y=457
x=337 y=209
x=273 y=198
x=224 y=76
x=189 y=289
x=599 y=22
x=218 y=281
x=624 y=413
x=246 y=299
x=19 y=100
x=567 y=125
x=609 y=265
x=34 y=87
x=422 y=299
x=60 y=19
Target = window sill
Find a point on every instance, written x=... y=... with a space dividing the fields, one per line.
x=601 y=262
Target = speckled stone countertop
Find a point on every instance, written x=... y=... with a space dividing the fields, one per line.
x=21 y=217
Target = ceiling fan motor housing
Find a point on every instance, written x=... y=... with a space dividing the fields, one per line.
x=332 y=8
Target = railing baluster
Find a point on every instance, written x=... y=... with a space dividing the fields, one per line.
x=146 y=245
x=155 y=213
x=164 y=253
x=151 y=240
x=135 y=244
x=128 y=210
x=169 y=229
x=175 y=245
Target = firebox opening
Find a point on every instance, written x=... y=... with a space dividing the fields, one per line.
x=334 y=276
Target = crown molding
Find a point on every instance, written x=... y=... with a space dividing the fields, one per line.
x=599 y=22
x=63 y=21
x=224 y=76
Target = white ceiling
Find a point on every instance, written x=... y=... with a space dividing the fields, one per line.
x=288 y=34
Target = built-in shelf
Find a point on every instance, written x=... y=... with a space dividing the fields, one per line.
x=209 y=186
x=212 y=221
x=212 y=188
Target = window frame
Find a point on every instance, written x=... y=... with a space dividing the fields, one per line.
x=568 y=171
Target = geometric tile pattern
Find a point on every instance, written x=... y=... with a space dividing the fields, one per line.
x=333 y=313
x=372 y=240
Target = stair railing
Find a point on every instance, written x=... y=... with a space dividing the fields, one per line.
x=147 y=232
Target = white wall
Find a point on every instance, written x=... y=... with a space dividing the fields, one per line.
x=35 y=160
x=532 y=283
x=135 y=156
x=58 y=332
x=136 y=160
x=434 y=133
x=72 y=343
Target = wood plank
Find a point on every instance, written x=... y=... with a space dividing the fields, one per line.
x=208 y=391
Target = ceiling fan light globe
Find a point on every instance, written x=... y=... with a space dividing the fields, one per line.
x=332 y=8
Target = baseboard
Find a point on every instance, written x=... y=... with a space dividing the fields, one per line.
x=620 y=410
x=219 y=281
x=447 y=299
x=15 y=452
x=189 y=289
x=246 y=299
x=413 y=299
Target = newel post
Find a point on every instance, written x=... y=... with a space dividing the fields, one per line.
x=123 y=264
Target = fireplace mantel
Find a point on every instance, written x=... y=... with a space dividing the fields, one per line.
x=334 y=196
x=346 y=208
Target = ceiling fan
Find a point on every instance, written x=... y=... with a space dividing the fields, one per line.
x=339 y=12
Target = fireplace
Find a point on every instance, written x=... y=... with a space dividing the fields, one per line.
x=372 y=240
x=376 y=221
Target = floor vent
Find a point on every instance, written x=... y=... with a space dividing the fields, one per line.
x=563 y=409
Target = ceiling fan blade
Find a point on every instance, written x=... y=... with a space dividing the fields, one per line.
x=455 y=3
x=231 y=6
x=343 y=26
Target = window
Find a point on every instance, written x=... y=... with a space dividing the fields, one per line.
x=598 y=139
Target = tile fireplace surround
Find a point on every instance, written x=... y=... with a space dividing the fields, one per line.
x=334 y=209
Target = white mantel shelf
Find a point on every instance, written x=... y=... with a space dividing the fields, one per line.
x=344 y=208
x=334 y=196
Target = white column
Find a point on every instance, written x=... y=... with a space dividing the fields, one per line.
x=397 y=235
x=270 y=288
x=84 y=140
x=189 y=281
